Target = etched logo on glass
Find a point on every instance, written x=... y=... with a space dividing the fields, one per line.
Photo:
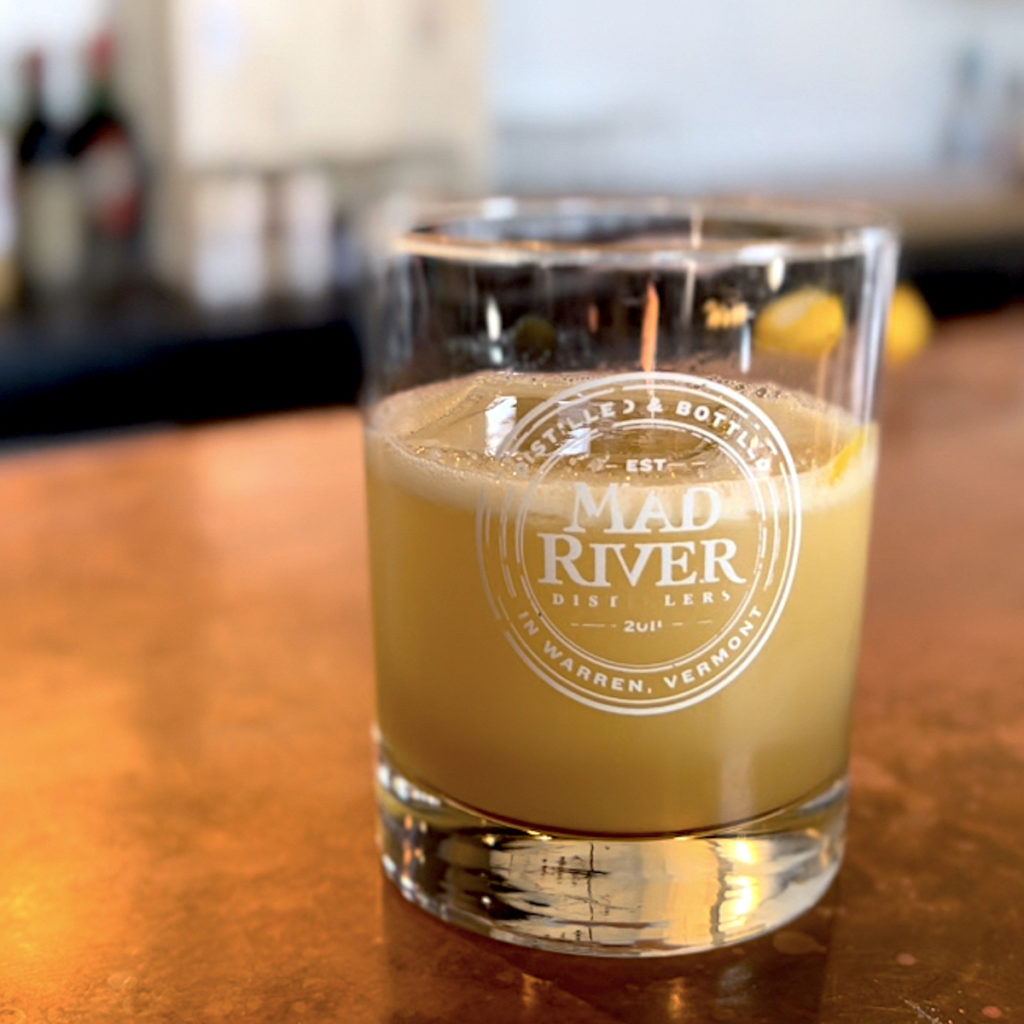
x=644 y=544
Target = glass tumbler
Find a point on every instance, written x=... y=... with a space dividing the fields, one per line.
x=620 y=460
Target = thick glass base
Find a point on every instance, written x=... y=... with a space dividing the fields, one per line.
x=609 y=895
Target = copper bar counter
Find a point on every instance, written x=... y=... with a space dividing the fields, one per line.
x=185 y=809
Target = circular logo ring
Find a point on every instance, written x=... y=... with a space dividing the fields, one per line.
x=641 y=584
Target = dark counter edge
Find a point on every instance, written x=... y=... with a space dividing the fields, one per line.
x=151 y=359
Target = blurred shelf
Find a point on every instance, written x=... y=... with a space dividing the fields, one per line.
x=939 y=213
x=151 y=358
x=967 y=277
x=963 y=242
x=962 y=235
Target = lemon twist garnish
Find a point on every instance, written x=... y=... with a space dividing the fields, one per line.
x=847 y=454
x=808 y=322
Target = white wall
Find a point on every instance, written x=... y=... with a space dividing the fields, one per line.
x=46 y=22
x=683 y=94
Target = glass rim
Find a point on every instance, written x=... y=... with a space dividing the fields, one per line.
x=806 y=230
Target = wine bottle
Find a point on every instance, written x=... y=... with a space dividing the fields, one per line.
x=51 y=237
x=109 y=173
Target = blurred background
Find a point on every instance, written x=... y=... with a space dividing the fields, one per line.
x=182 y=181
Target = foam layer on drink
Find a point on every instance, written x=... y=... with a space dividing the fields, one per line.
x=446 y=442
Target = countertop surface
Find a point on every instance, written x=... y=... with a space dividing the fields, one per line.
x=185 y=756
